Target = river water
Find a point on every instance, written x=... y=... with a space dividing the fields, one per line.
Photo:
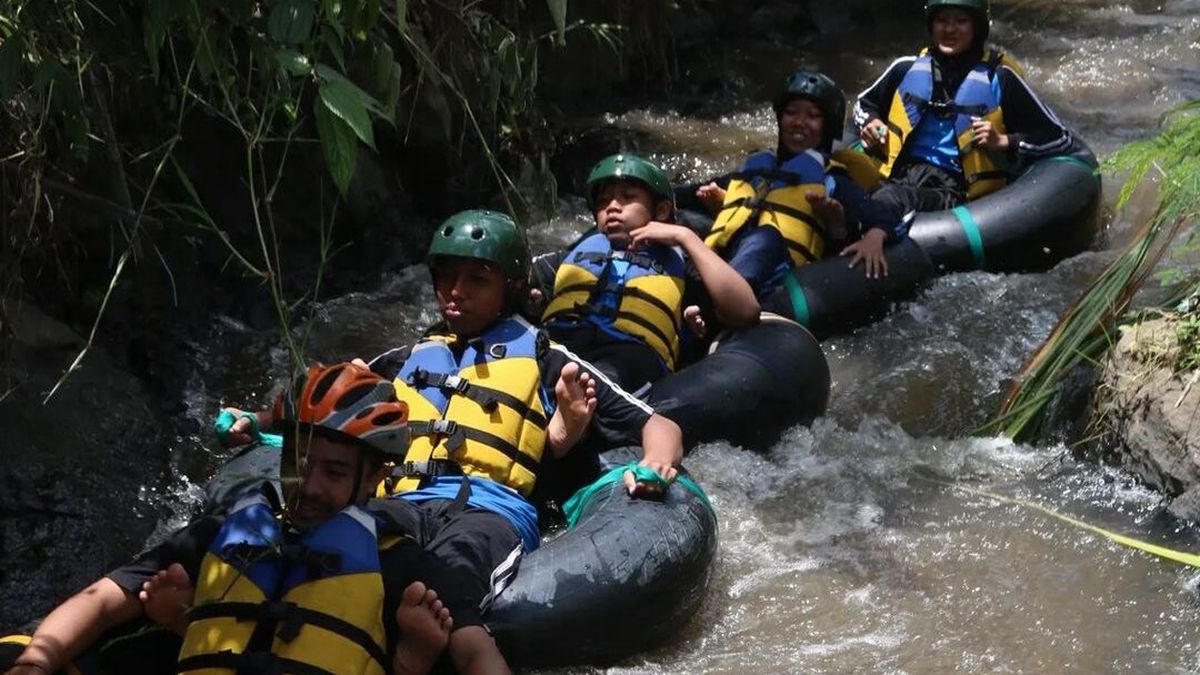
x=845 y=549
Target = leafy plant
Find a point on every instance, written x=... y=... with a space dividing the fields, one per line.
x=1086 y=329
x=96 y=102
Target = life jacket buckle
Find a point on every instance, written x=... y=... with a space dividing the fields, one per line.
x=447 y=427
x=456 y=383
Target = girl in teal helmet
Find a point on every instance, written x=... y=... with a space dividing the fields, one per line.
x=956 y=121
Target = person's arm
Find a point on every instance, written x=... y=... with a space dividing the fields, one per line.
x=871 y=106
x=1033 y=131
x=76 y=625
x=733 y=300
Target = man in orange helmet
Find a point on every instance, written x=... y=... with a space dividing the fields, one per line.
x=279 y=565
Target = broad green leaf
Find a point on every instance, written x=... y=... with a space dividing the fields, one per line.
x=558 y=10
x=332 y=39
x=291 y=21
x=293 y=62
x=381 y=70
x=10 y=65
x=344 y=99
x=338 y=144
x=401 y=15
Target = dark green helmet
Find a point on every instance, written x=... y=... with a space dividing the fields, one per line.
x=484 y=235
x=979 y=10
x=825 y=93
x=629 y=166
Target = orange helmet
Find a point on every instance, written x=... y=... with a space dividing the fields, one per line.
x=348 y=401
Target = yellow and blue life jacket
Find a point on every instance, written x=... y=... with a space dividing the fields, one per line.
x=480 y=412
x=630 y=295
x=977 y=96
x=319 y=594
x=762 y=193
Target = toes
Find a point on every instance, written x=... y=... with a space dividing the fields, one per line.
x=414 y=594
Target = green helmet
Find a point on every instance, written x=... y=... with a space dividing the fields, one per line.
x=979 y=10
x=825 y=93
x=485 y=235
x=625 y=165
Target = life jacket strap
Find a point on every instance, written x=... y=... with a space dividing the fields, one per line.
x=486 y=397
x=945 y=108
x=457 y=434
x=639 y=259
x=252 y=663
x=290 y=619
x=430 y=468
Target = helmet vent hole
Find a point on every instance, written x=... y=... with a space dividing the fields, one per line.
x=354 y=395
x=477 y=234
x=448 y=231
x=323 y=385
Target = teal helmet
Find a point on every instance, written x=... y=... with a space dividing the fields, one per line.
x=823 y=91
x=484 y=235
x=978 y=9
x=631 y=167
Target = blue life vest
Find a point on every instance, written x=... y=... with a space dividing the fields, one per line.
x=320 y=592
x=479 y=412
x=939 y=132
x=631 y=295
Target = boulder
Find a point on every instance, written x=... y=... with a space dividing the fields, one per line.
x=80 y=471
x=1145 y=413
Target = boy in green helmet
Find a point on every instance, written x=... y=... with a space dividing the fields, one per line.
x=619 y=293
x=954 y=122
x=488 y=395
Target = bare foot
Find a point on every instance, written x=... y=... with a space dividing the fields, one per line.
x=424 y=625
x=575 y=394
x=166 y=597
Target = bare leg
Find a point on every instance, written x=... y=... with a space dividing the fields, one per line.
x=166 y=596
x=474 y=652
x=424 y=625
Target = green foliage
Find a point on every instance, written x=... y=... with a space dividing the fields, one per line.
x=94 y=100
x=1187 y=336
x=1084 y=333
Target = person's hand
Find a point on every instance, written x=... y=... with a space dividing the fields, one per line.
x=873 y=134
x=655 y=232
x=712 y=196
x=831 y=214
x=695 y=320
x=243 y=431
x=643 y=487
x=869 y=250
x=985 y=135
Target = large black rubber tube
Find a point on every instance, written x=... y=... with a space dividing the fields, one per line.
x=624 y=580
x=1049 y=213
x=755 y=384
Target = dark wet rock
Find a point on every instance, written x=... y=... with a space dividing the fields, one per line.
x=1147 y=414
x=74 y=468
